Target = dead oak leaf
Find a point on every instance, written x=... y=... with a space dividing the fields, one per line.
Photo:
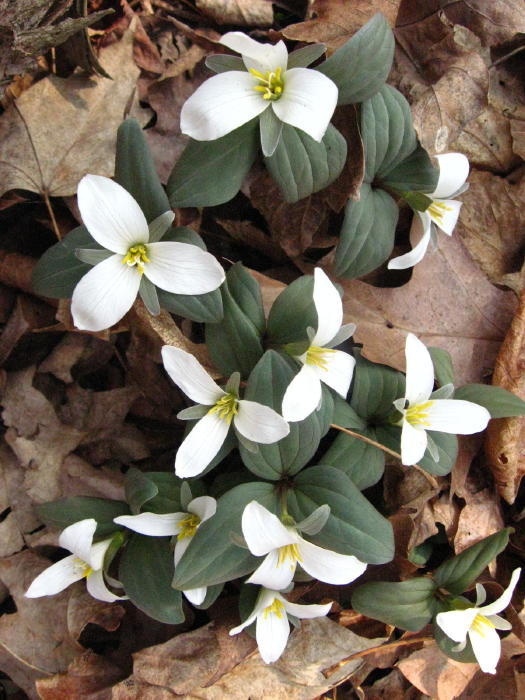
x=434 y=674
x=61 y=129
x=257 y=13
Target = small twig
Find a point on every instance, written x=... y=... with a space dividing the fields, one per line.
x=372 y=650
x=47 y=201
x=386 y=449
x=26 y=663
x=506 y=56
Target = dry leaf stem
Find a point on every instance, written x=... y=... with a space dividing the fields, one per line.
x=386 y=449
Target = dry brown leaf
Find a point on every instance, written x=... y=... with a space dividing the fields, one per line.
x=257 y=13
x=436 y=675
x=505 y=443
x=88 y=677
x=62 y=129
x=492 y=223
x=480 y=518
x=334 y=21
x=28 y=314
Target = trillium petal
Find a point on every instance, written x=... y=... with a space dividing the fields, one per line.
x=500 y=623
x=220 y=105
x=306 y=612
x=190 y=376
x=201 y=445
x=104 y=295
x=413 y=256
x=152 y=524
x=457 y=417
x=263 y=531
x=260 y=423
x=272 y=632
x=413 y=444
x=329 y=308
x=56 y=578
x=180 y=547
x=444 y=213
x=97 y=554
x=456 y=623
x=272 y=573
x=302 y=395
x=264 y=599
x=182 y=268
x=486 y=647
x=308 y=101
x=97 y=588
x=420 y=371
x=203 y=506
x=453 y=172
x=504 y=600
x=266 y=57
x=338 y=373
x=110 y=214
x=196 y=595
x=328 y=566
x=78 y=538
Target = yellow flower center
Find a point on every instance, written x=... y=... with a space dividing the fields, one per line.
x=289 y=552
x=437 y=210
x=82 y=567
x=271 y=84
x=188 y=526
x=136 y=255
x=319 y=357
x=226 y=407
x=276 y=608
x=480 y=624
x=418 y=414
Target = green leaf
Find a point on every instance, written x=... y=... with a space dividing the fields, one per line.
x=234 y=344
x=345 y=415
x=367 y=234
x=246 y=291
x=60 y=514
x=267 y=384
x=292 y=313
x=213 y=557
x=443 y=367
x=203 y=308
x=211 y=172
x=499 y=402
x=58 y=271
x=146 y=571
x=409 y=605
x=448 y=646
x=354 y=525
x=136 y=172
x=221 y=62
x=375 y=389
x=301 y=166
x=414 y=173
x=363 y=463
x=458 y=573
x=361 y=66
x=303 y=57
x=159 y=490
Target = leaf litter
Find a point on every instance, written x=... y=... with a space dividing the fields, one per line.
x=65 y=393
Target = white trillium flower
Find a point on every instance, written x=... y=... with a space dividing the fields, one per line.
x=116 y=222
x=320 y=362
x=86 y=561
x=184 y=525
x=480 y=625
x=301 y=97
x=251 y=420
x=272 y=628
x=421 y=413
x=443 y=212
x=283 y=548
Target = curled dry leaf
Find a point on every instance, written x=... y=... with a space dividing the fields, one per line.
x=257 y=13
x=505 y=443
x=436 y=675
x=88 y=677
x=333 y=22
x=480 y=518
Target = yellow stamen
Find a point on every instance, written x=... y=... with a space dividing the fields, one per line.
x=136 y=255
x=418 y=414
x=290 y=552
x=276 y=608
x=82 y=567
x=319 y=357
x=480 y=624
x=188 y=526
x=270 y=85
x=437 y=211
x=226 y=407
